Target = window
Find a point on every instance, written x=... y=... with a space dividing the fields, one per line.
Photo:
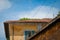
x=39 y=27
x=28 y=34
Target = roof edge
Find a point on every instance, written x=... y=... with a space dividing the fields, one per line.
x=44 y=27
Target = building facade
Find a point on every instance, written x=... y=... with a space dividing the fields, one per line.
x=23 y=29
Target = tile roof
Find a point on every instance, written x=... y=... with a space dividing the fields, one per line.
x=31 y=20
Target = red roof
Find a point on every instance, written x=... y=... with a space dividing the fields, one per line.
x=31 y=20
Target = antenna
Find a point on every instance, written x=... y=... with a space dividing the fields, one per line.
x=53 y=15
x=36 y=12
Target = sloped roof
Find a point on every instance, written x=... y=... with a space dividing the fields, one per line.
x=55 y=19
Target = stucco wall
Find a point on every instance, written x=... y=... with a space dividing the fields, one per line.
x=17 y=37
x=17 y=29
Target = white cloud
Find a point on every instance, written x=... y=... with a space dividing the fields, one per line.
x=4 y=4
x=40 y=12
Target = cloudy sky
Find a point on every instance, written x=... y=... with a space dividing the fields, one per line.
x=16 y=9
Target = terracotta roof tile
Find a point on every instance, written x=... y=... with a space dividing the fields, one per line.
x=31 y=20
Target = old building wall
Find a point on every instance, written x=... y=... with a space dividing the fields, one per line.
x=20 y=28
x=51 y=33
x=16 y=30
x=44 y=24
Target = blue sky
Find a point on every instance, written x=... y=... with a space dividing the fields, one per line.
x=16 y=9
